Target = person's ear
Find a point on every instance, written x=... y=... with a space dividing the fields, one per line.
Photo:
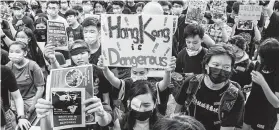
x=206 y=67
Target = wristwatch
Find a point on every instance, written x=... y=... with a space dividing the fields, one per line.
x=21 y=117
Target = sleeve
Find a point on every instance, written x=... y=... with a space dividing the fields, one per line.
x=38 y=76
x=276 y=83
x=104 y=84
x=180 y=98
x=236 y=117
x=179 y=62
x=9 y=80
x=273 y=18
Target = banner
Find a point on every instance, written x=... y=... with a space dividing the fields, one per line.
x=57 y=35
x=75 y=77
x=143 y=41
x=250 y=12
x=196 y=10
x=68 y=111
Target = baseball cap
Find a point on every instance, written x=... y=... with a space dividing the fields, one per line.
x=17 y=5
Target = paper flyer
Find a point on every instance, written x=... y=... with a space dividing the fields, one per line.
x=68 y=111
x=75 y=77
x=57 y=35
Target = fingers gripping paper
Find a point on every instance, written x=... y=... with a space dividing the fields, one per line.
x=137 y=40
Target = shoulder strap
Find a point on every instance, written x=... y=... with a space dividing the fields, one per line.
x=194 y=86
x=228 y=100
x=30 y=70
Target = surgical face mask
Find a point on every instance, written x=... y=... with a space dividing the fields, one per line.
x=90 y=38
x=177 y=11
x=141 y=116
x=16 y=57
x=17 y=12
x=25 y=40
x=135 y=78
x=117 y=11
x=193 y=53
x=218 y=75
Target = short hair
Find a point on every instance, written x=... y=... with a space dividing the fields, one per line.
x=53 y=2
x=91 y=21
x=120 y=3
x=276 y=6
x=180 y=2
x=71 y=12
x=42 y=15
x=104 y=4
x=192 y=30
x=22 y=45
x=178 y=122
x=268 y=51
x=40 y=20
x=139 y=4
x=165 y=3
x=238 y=41
x=235 y=7
x=218 y=49
x=78 y=8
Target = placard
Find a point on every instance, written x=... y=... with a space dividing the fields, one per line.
x=196 y=11
x=250 y=12
x=68 y=111
x=143 y=41
x=57 y=35
x=245 y=25
x=218 y=8
x=157 y=73
x=75 y=77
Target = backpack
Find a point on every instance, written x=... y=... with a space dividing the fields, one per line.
x=227 y=101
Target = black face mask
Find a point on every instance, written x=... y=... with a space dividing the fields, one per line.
x=41 y=35
x=218 y=75
x=141 y=116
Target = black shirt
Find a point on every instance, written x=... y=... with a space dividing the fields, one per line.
x=189 y=64
x=27 y=22
x=273 y=28
x=258 y=110
x=132 y=8
x=207 y=105
x=8 y=84
x=93 y=59
x=77 y=33
x=4 y=57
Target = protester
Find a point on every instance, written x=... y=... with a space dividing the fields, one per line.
x=99 y=7
x=20 y=20
x=80 y=12
x=8 y=84
x=35 y=8
x=41 y=30
x=80 y=56
x=166 y=7
x=202 y=93
x=64 y=6
x=87 y=7
x=189 y=59
x=139 y=6
x=264 y=89
x=131 y=5
x=29 y=76
x=118 y=7
x=178 y=122
x=75 y=30
x=272 y=10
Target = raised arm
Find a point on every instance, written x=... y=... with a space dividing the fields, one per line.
x=269 y=7
x=114 y=81
x=163 y=84
x=50 y=54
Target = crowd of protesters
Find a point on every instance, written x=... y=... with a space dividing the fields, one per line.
x=230 y=75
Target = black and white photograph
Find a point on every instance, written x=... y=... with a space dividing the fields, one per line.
x=245 y=25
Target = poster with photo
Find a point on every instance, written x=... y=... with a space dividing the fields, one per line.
x=250 y=12
x=68 y=111
x=245 y=25
x=196 y=11
x=75 y=77
x=137 y=40
x=218 y=8
x=57 y=35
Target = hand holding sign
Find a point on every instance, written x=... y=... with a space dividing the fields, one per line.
x=101 y=63
x=172 y=64
x=43 y=107
x=49 y=52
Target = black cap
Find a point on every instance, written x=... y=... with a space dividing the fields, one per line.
x=17 y=5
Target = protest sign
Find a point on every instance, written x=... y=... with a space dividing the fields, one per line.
x=143 y=41
x=250 y=12
x=245 y=25
x=218 y=8
x=158 y=73
x=68 y=111
x=196 y=10
x=57 y=35
x=75 y=77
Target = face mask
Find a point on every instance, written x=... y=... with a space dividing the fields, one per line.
x=41 y=35
x=15 y=57
x=193 y=53
x=117 y=11
x=135 y=78
x=17 y=12
x=177 y=11
x=90 y=38
x=51 y=12
x=22 y=40
x=141 y=116
x=218 y=75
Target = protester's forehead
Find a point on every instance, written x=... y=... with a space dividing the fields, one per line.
x=138 y=69
x=221 y=59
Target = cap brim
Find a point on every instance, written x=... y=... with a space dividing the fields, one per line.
x=16 y=7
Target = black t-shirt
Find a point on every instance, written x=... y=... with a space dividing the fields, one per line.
x=77 y=33
x=273 y=28
x=93 y=59
x=242 y=73
x=4 y=57
x=132 y=8
x=258 y=110
x=207 y=105
x=189 y=64
x=8 y=84
x=27 y=22
x=62 y=15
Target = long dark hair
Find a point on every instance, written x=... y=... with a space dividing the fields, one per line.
x=34 y=51
x=138 y=88
x=268 y=51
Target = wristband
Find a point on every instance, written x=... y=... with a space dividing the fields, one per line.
x=21 y=117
